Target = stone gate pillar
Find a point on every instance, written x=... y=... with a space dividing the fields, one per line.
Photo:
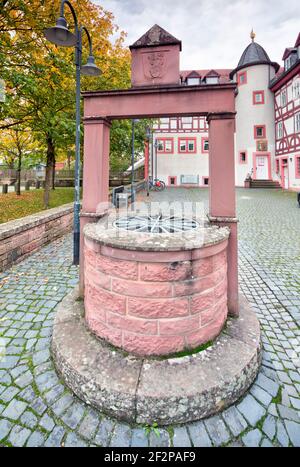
x=222 y=210
x=95 y=176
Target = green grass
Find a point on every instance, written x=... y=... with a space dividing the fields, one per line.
x=30 y=202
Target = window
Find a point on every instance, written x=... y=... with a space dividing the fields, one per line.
x=212 y=80
x=297 y=122
x=172 y=181
x=258 y=97
x=296 y=89
x=277 y=166
x=173 y=123
x=259 y=131
x=205 y=145
x=242 y=78
x=283 y=98
x=279 y=130
x=297 y=166
x=165 y=145
x=186 y=123
x=164 y=123
x=243 y=157
x=205 y=180
x=187 y=145
x=193 y=81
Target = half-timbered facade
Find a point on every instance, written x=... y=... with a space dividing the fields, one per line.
x=286 y=88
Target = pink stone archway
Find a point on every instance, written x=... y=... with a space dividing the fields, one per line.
x=157 y=92
x=216 y=102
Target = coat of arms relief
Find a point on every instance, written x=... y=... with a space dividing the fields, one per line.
x=154 y=64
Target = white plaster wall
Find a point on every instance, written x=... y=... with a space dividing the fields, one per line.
x=249 y=115
x=178 y=164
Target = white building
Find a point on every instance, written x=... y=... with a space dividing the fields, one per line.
x=183 y=143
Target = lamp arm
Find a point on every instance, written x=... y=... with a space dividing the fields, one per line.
x=83 y=28
x=62 y=9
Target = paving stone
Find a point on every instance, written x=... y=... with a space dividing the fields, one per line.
x=295 y=403
x=251 y=409
x=14 y=409
x=73 y=441
x=54 y=393
x=199 y=435
x=261 y=395
x=272 y=410
x=288 y=414
x=55 y=438
x=121 y=436
x=281 y=434
x=269 y=426
x=37 y=439
x=293 y=430
x=159 y=440
x=9 y=393
x=47 y=422
x=5 y=427
x=38 y=406
x=29 y=419
x=181 y=438
x=61 y=405
x=104 y=433
x=252 y=438
x=24 y=380
x=28 y=394
x=267 y=384
x=18 y=436
x=89 y=425
x=73 y=415
x=217 y=430
x=139 y=438
x=234 y=420
x=266 y=443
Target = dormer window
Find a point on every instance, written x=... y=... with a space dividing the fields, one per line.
x=212 y=80
x=193 y=78
x=193 y=81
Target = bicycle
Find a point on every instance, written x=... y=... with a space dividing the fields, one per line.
x=157 y=185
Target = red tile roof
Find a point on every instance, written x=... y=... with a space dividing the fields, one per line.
x=222 y=72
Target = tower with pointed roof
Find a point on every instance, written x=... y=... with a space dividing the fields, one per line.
x=255 y=121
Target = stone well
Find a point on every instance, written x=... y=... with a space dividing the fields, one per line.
x=155 y=293
x=154 y=287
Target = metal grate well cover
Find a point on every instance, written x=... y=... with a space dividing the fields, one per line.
x=156 y=224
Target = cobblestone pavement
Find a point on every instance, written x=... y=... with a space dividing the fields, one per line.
x=36 y=409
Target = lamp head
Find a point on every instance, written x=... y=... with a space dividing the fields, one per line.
x=90 y=68
x=60 y=34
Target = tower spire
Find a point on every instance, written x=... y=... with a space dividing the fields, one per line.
x=252 y=35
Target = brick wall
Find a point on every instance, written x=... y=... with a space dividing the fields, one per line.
x=21 y=237
x=153 y=305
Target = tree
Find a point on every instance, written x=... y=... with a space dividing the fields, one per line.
x=40 y=77
x=15 y=143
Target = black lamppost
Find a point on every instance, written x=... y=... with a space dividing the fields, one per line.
x=61 y=35
x=134 y=121
x=148 y=136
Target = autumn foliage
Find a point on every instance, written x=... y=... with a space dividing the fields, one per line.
x=40 y=77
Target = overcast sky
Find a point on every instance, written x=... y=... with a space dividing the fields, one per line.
x=214 y=33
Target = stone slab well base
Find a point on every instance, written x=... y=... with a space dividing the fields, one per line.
x=166 y=391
